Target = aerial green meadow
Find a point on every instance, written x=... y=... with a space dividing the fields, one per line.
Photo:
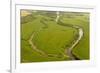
x=54 y=36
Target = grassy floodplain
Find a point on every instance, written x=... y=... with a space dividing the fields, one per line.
x=45 y=39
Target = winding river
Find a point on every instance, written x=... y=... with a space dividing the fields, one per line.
x=80 y=33
x=69 y=50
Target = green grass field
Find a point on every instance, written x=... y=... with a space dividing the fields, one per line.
x=43 y=39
